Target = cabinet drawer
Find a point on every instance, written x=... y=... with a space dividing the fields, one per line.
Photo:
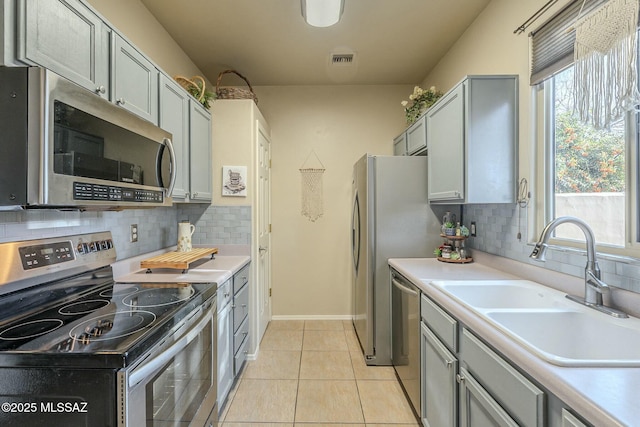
x=241 y=278
x=224 y=295
x=240 y=307
x=240 y=335
x=240 y=358
x=439 y=321
x=519 y=396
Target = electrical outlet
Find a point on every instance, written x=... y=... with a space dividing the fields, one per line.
x=472 y=229
x=133 y=237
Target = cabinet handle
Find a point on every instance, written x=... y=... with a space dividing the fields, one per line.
x=226 y=294
x=459 y=378
x=449 y=364
x=233 y=306
x=101 y=89
x=245 y=352
x=244 y=334
x=194 y=195
x=120 y=101
x=244 y=305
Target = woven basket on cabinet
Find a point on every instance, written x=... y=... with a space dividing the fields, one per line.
x=230 y=92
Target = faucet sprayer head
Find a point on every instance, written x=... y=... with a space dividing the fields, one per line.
x=538 y=252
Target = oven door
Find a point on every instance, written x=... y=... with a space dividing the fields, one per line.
x=176 y=382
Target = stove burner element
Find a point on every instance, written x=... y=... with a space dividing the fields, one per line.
x=31 y=329
x=157 y=297
x=110 y=326
x=83 y=307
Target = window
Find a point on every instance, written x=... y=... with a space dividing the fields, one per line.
x=587 y=172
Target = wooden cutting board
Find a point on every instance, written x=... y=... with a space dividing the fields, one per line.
x=177 y=260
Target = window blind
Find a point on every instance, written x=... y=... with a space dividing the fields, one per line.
x=552 y=43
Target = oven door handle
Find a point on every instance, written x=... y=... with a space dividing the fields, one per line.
x=144 y=370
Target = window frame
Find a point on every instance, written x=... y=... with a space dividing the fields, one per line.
x=543 y=118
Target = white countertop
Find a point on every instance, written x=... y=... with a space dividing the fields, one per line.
x=603 y=396
x=216 y=270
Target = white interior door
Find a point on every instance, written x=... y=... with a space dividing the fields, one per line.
x=263 y=270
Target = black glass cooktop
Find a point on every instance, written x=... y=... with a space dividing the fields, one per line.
x=90 y=320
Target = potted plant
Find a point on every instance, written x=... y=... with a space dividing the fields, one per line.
x=449 y=229
x=419 y=101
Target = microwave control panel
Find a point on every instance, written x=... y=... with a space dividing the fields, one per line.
x=84 y=191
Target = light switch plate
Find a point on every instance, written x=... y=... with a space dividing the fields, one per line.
x=133 y=235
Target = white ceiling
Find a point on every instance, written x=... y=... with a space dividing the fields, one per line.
x=395 y=41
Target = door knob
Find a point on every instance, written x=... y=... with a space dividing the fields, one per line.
x=120 y=101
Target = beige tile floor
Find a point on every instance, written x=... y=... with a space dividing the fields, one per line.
x=312 y=373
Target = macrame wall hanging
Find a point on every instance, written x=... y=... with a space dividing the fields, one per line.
x=605 y=74
x=311 y=180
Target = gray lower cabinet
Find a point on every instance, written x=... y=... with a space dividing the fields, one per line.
x=466 y=383
x=190 y=125
x=66 y=37
x=134 y=80
x=200 y=157
x=439 y=393
x=225 y=342
x=472 y=133
x=240 y=318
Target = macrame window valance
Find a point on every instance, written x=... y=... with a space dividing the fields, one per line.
x=605 y=60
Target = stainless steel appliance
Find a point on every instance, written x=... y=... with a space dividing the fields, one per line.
x=63 y=146
x=391 y=219
x=405 y=353
x=77 y=349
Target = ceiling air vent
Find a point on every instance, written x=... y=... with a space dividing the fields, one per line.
x=342 y=58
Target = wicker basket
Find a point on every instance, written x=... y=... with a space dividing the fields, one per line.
x=192 y=86
x=229 y=92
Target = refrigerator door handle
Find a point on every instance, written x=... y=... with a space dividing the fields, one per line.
x=355 y=233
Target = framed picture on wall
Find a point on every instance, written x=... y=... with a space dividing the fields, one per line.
x=234 y=181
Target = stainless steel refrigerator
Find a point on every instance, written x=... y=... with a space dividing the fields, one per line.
x=391 y=219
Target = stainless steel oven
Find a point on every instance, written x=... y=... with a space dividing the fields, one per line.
x=175 y=383
x=78 y=349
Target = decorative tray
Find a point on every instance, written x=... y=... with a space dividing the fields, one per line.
x=456 y=261
x=453 y=237
x=177 y=260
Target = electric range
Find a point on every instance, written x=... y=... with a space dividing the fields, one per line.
x=76 y=348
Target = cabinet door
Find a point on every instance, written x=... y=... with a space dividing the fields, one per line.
x=66 y=37
x=201 y=182
x=417 y=136
x=570 y=420
x=225 y=354
x=400 y=145
x=174 y=118
x=135 y=81
x=477 y=407
x=438 y=382
x=445 y=133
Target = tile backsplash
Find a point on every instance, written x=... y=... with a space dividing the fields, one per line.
x=157 y=227
x=498 y=226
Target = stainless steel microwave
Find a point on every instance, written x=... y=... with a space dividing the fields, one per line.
x=62 y=146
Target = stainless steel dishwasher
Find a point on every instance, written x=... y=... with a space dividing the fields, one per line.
x=405 y=336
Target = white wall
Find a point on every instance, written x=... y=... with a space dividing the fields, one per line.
x=311 y=273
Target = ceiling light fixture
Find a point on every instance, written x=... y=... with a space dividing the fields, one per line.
x=322 y=13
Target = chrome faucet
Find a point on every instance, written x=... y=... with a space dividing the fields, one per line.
x=593 y=286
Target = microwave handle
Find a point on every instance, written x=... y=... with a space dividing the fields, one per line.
x=174 y=166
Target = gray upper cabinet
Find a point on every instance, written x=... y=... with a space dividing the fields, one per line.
x=134 y=80
x=66 y=37
x=174 y=118
x=201 y=177
x=472 y=133
x=417 y=136
x=400 y=145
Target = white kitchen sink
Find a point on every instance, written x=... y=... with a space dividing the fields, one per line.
x=574 y=338
x=502 y=293
x=551 y=326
